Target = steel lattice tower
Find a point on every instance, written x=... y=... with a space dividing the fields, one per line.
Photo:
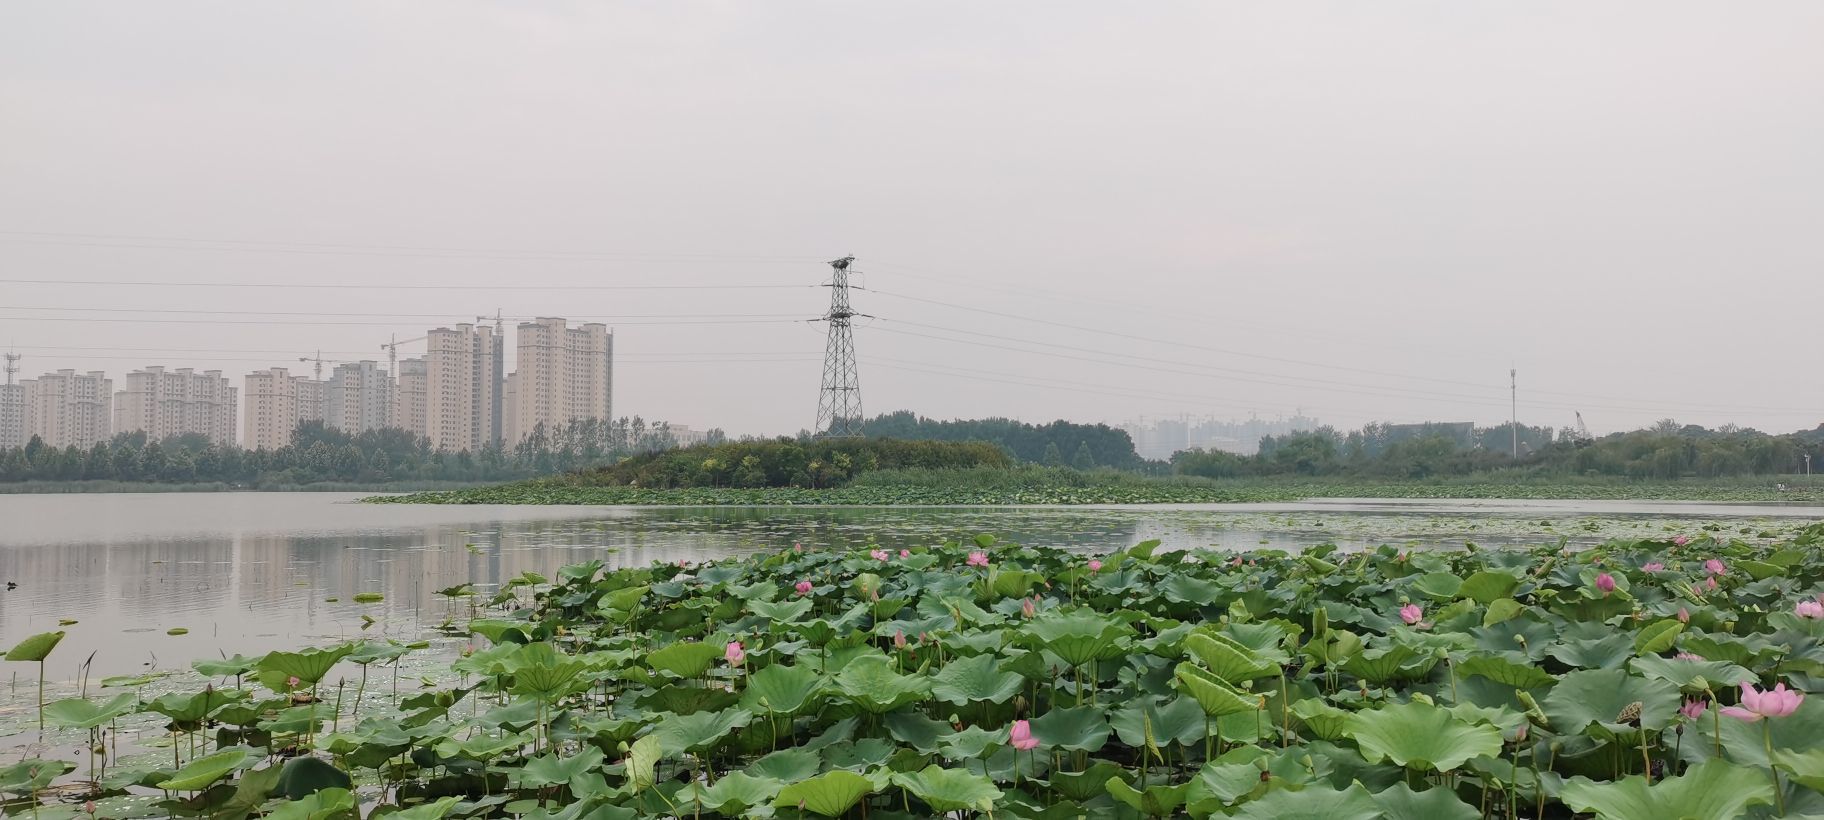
x=839 y=402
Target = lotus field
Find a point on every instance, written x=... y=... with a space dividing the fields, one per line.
x=1640 y=680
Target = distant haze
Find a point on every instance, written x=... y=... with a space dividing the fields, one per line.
x=1361 y=211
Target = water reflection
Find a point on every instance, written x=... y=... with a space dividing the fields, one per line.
x=249 y=572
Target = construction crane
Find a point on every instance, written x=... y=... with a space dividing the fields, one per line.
x=496 y=319
x=1584 y=439
x=318 y=360
x=392 y=354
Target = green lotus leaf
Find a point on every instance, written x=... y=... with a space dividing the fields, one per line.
x=870 y=682
x=1311 y=803
x=947 y=790
x=29 y=776
x=642 y=763
x=1506 y=670
x=687 y=659
x=35 y=648
x=194 y=707
x=1421 y=736
x=1402 y=803
x=1078 y=636
x=1657 y=637
x=308 y=666
x=918 y=731
x=1599 y=696
x=974 y=679
x=329 y=804
x=1179 y=721
x=971 y=742
x=554 y=769
x=1214 y=696
x=1227 y=658
x=829 y=794
x=1692 y=676
x=434 y=810
x=82 y=713
x=1153 y=801
x=1715 y=790
x=1087 y=784
x=1382 y=665
x=1806 y=766
x=1185 y=589
x=781 y=612
x=540 y=671
x=199 y=773
x=782 y=690
x=698 y=732
x=1488 y=586
x=302 y=776
x=1325 y=721
x=786 y=765
x=1439 y=585
x=736 y=792
x=1607 y=652
x=224 y=667
x=1078 y=729
x=1745 y=744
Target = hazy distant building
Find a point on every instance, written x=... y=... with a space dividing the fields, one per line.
x=563 y=373
x=462 y=388
x=356 y=397
x=1160 y=438
x=408 y=397
x=165 y=403
x=67 y=408
x=12 y=407
x=277 y=402
x=687 y=436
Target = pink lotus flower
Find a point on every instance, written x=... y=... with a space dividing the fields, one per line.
x=797 y=547
x=803 y=587
x=735 y=654
x=1411 y=614
x=1808 y=609
x=1020 y=735
x=1715 y=566
x=1710 y=584
x=1095 y=565
x=1684 y=615
x=1694 y=708
x=1026 y=608
x=978 y=559
x=1236 y=562
x=1681 y=540
x=1687 y=656
x=899 y=639
x=878 y=555
x=1605 y=582
x=1771 y=703
x=292 y=682
x=905 y=553
x=1652 y=566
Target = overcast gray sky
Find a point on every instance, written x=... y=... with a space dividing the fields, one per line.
x=1367 y=211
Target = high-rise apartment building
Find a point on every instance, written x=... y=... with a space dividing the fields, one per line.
x=408 y=397
x=12 y=407
x=164 y=403
x=563 y=373
x=67 y=408
x=462 y=388
x=277 y=402
x=356 y=397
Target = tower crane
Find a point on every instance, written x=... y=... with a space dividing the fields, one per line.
x=1583 y=431
x=392 y=354
x=318 y=360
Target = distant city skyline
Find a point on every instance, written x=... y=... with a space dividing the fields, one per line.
x=1187 y=208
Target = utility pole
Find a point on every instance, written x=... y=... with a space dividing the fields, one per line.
x=839 y=401
x=1513 y=419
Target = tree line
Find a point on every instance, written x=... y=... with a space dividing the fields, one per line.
x=1057 y=444
x=1666 y=450
x=789 y=462
x=319 y=453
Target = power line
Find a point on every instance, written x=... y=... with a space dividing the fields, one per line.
x=371 y=286
x=353 y=249
x=344 y=323
x=439 y=316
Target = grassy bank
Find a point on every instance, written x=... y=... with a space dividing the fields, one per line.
x=986 y=679
x=32 y=487
x=1038 y=485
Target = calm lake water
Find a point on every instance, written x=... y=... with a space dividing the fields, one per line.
x=249 y=572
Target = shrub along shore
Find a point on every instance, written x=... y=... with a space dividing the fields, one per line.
x=1639 y=680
